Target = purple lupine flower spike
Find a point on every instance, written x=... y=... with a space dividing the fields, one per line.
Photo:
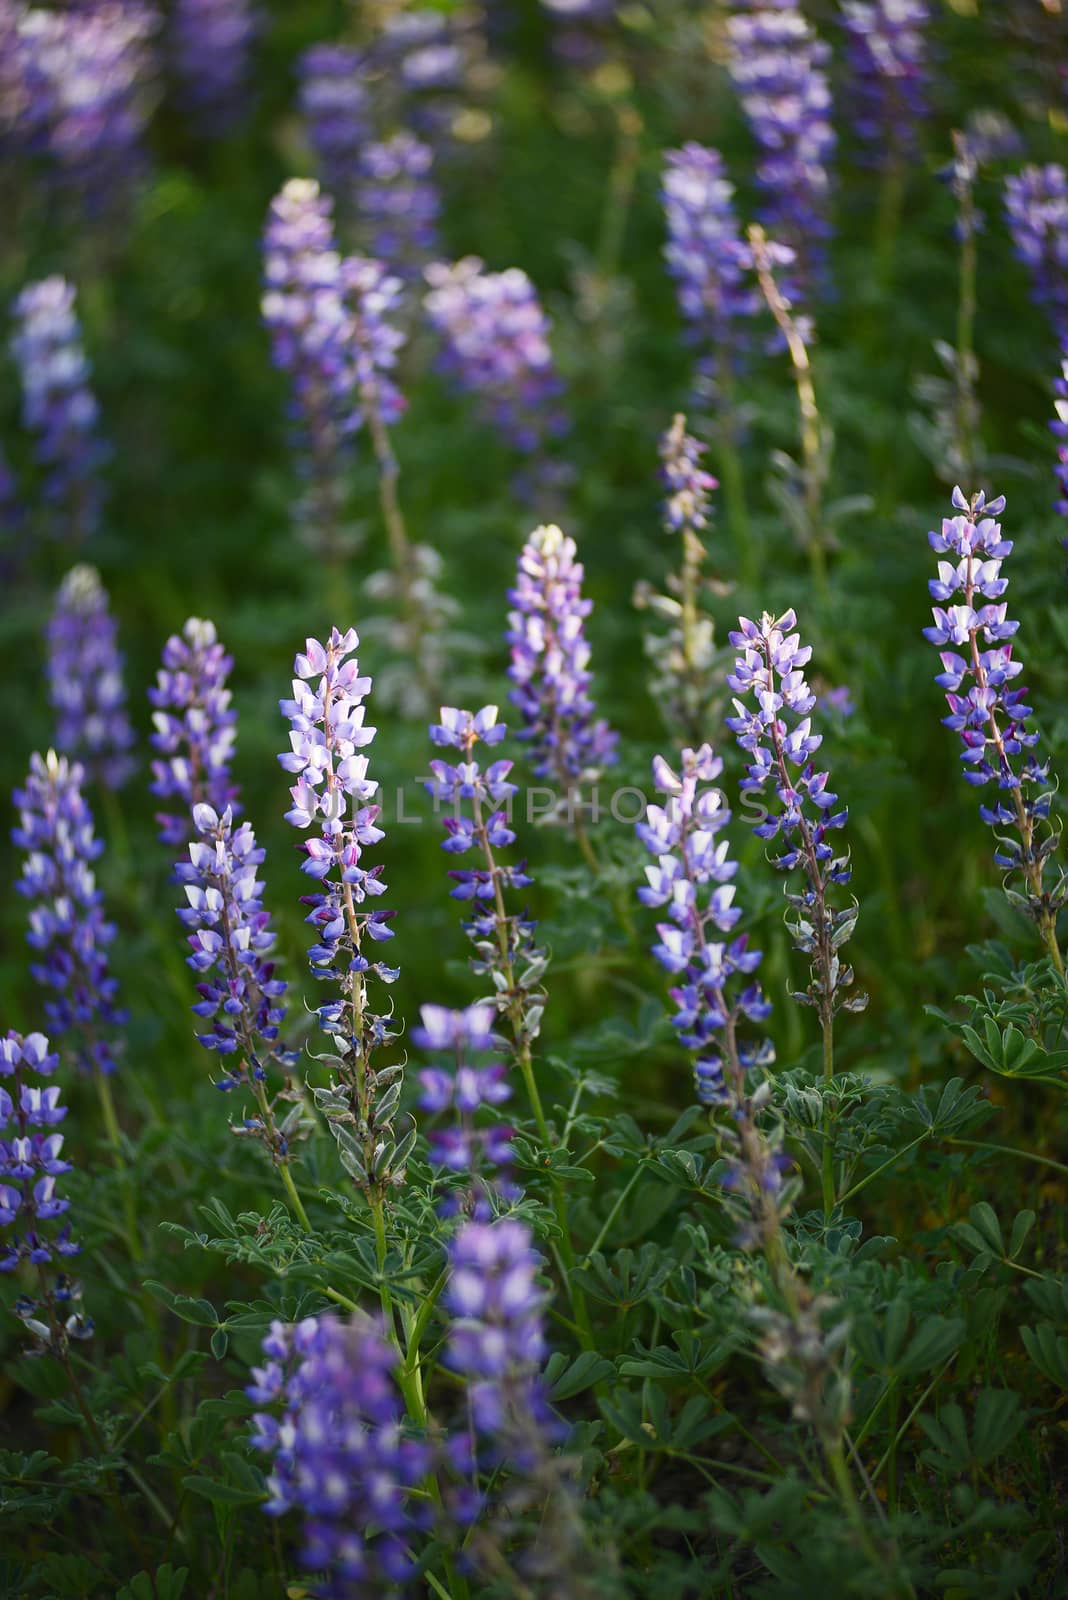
x=335 y=104
x=692 y=878
x=776 y=733
x=496 y=1338
x=232 y=945
x=550 y=662
x=91 y=72
x=68 y=930
x=31 y=1153
x=211 y=43
x=717 y=998
x=889 y=80
x=479 y=799
x=707 y=257
x=341 y=1456
x=85 y=675
x=58 y=407
x=988 y=707
x=1036 y=205
x=779 y=69
x=398 y=203
x=463 y=1089
x=305 y=311
x=195 y=730
x=495 y=339
x=330 y=803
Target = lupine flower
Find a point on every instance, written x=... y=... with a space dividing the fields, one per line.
x=685 y=683
x=335 y=104
x=306 y=311
x=91 y=69
x=495 y=339
x=398 y=202
x=68 y=931
x=496 y=1339
x=706 y=256
x=374 y=296
x=330 y=802
x=1059 y=429
x=1036 y=204
x=716 y=996
x=195 y=729
x=31 y=1154
x=232 y=944
x=212 y=42
x=987 y=706
x=889 y=76
x=479 y=798
x=550 y=662
x=692 y=878
x=776 y=733
x=86 y=680
x=778 y=67
x=58 y=406
x=340 y=1453
x=462 y=1090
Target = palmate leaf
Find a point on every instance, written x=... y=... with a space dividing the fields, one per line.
x=566 y=1379
x=1048 y=1350
x=997 y=1420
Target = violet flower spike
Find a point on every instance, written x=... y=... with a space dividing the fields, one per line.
x=777 y=734
x=1059 y=429
x=340 y=1453
x=335 y=103
x=481 y=1152
x=716 y=998
x=708 y=259
x=989 y=709
x=550 y=664
x=495 y=346
x=58 y=406
x=68 y=930
x=211 y=44
x=1036 y=206
x=889 y=79
x=85 y=677
x=195 y=728
x=330 y=803
x=779 y=69
x=398 y=203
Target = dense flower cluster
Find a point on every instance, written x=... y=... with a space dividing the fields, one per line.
x=232 y=944
x=335 y=103
x=495 y=339
x=31 y=1156
x=212 y=42
x=330 y=330
x=685 y=683
x=480 y=798
x=88 y=70
x=398 y=202
x=330 y=801
x=550 y=662
x=779 y=69
x=462 y=1146
x=692 y=878
x=195 y=727
x=58 y=406
x=306 y=310
x=68 y=930
x=705 y=253
x=496 y=1339
x=340 y=1453
x=776 y=733
x=1036 y=205
x=987 y=706
x=889 y=79
x=86 y=680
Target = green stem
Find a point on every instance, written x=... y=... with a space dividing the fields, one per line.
x=1010 y=1150
x=613 y=1214
x=131 y=1231
x=828 y=1141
